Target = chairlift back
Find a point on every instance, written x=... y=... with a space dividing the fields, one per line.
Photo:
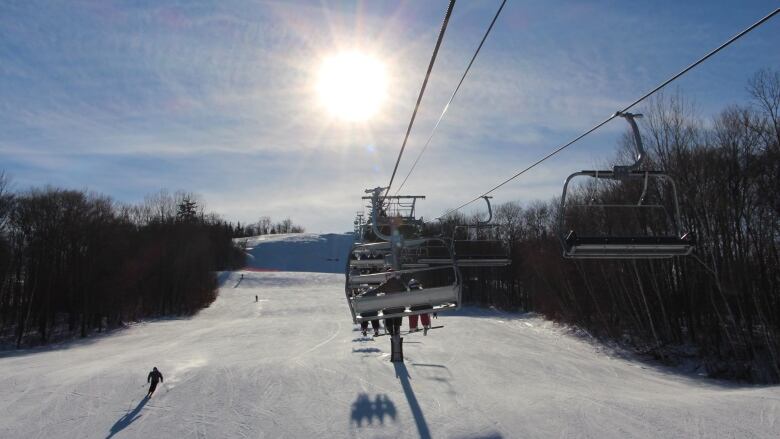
x=382 y=292
x=400 y=282
x=631 y=228
x=480 y=244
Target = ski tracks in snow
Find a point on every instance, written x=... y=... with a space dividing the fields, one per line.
x=335 y=334
x=294 y=371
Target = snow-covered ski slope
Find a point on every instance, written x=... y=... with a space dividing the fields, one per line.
x=308 y=252
x=292 y=365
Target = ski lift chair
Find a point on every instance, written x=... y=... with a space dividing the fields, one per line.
x=480 y=245
x=404 y=285
x=388 y=295
x=410 y=291
x=436 y=252
x=602 y=229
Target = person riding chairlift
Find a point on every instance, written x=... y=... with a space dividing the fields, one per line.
x=374 y=325
x=425 y=318
x=394 y=284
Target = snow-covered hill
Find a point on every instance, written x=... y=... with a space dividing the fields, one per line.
x=298 y=252
x=292 y=365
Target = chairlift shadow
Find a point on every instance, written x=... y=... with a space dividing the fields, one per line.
x=364 y=409
x=366 y=350
x=362 y=339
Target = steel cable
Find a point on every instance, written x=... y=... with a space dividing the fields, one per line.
x=454 y=93
x=422 y=90
x=599 y=125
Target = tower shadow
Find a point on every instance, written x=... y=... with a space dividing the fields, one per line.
x=127 y=419
x=403 y=374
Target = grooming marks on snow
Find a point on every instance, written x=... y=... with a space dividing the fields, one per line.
x=181 y=371
x=323 y=343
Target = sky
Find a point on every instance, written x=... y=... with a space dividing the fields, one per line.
x=220 y=98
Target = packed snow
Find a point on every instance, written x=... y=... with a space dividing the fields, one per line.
x=308 y=252
x=292 y=365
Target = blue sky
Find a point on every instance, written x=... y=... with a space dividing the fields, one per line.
x=218 y=98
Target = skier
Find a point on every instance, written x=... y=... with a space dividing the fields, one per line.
x=154 y=377
x=256 y=298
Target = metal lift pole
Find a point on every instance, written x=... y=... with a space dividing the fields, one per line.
x=396 y=242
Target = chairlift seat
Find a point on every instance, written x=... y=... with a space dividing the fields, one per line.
x=367 y=279
x=484 y=262
x=412 y=286
x=435 y=261
x=367 y=263
x=405 y=303
x=415 y=265
x=470 y=262
x=628 y=247
x=484 y=251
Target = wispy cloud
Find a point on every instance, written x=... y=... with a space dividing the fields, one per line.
x=218 y=98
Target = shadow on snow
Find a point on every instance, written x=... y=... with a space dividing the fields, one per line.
x=127 y=419
x=364 y=409
x=419 y=419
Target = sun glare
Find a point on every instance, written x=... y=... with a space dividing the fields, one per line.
x=352 y=86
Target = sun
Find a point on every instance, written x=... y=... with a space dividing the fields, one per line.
x=352 y=86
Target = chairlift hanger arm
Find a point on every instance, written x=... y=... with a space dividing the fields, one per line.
x=376 y=204
x=490 y=211
x=620 y=170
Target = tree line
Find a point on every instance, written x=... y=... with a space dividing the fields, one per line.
x=724 y=300
x=75 y=262
x=265 y=226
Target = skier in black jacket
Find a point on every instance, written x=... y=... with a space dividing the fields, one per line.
x=154 y=377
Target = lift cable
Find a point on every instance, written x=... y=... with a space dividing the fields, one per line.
x=454 y=93
x=599 y=125
x=422 y=90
